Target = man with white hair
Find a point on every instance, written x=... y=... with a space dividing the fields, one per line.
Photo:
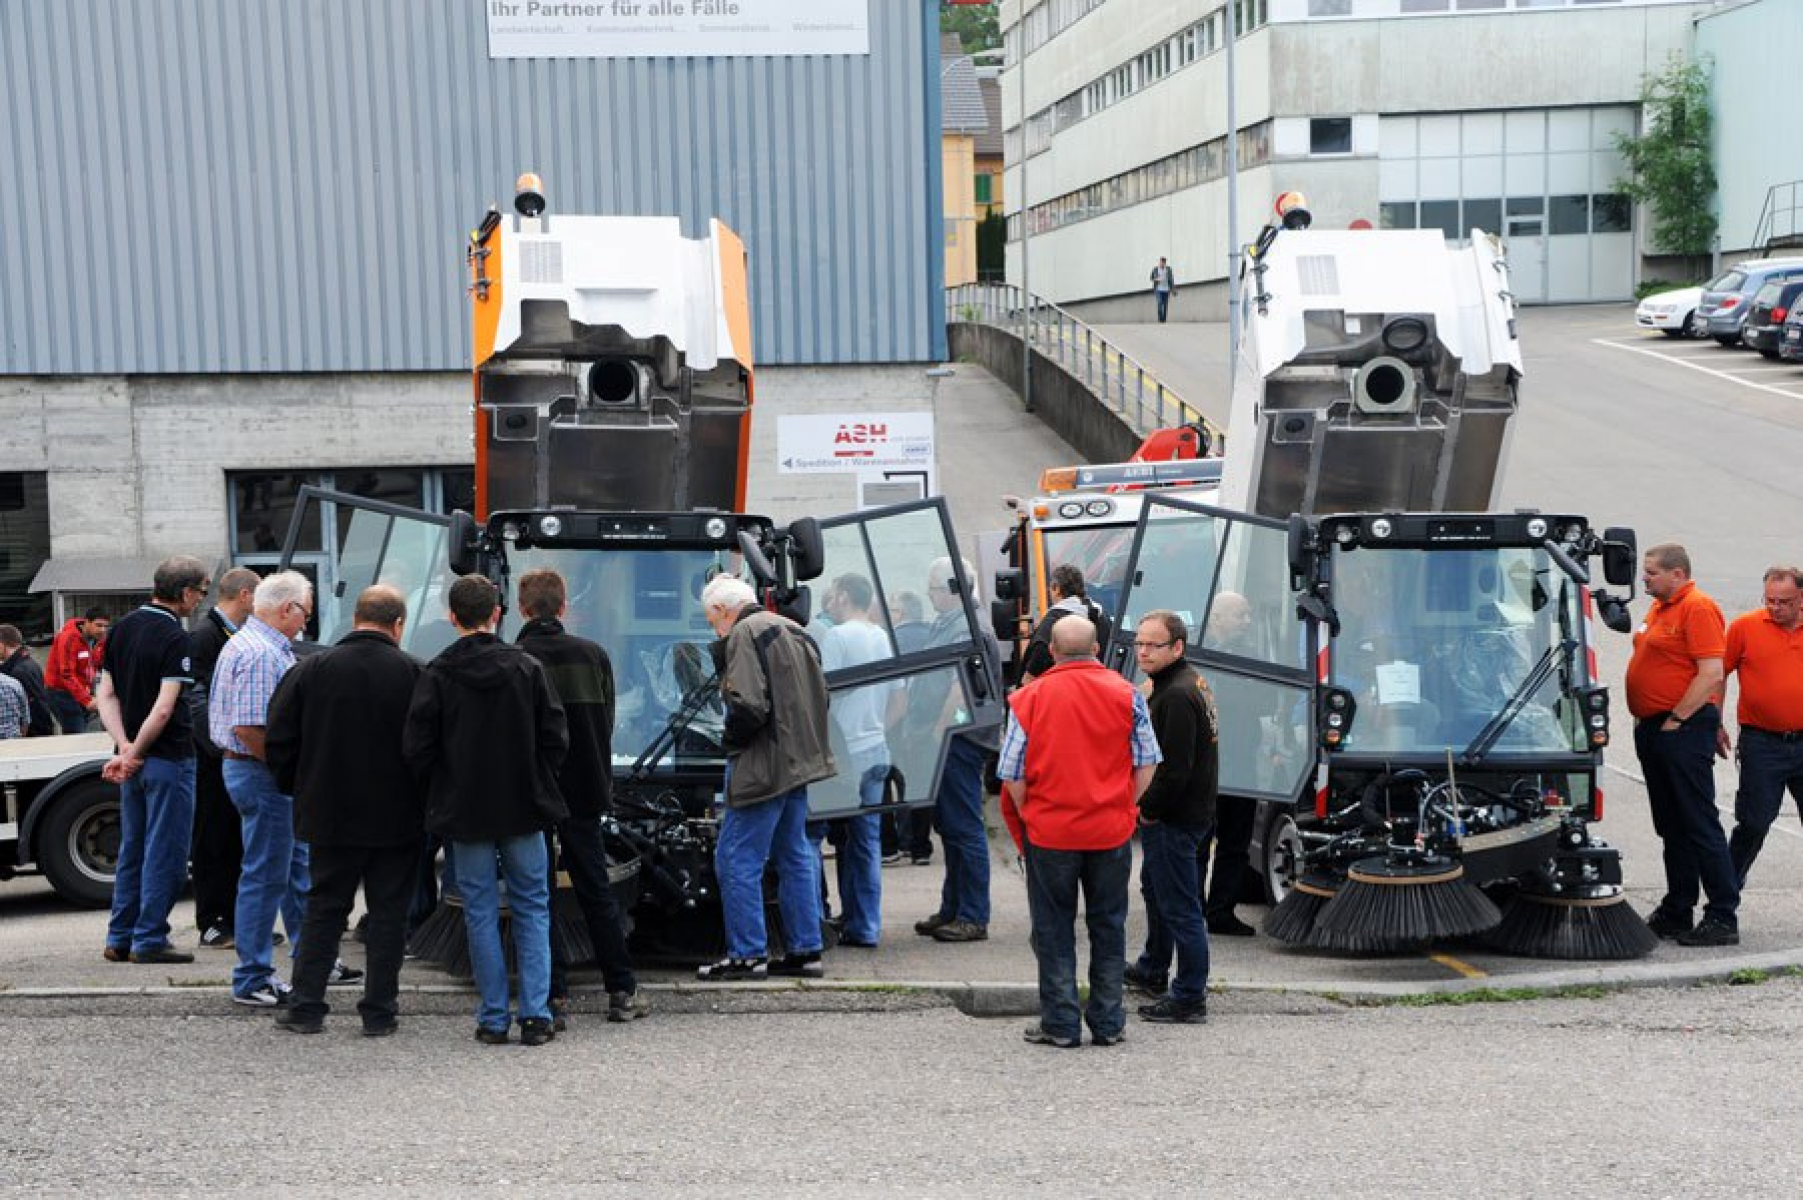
x=777 y=743
x=274 y=875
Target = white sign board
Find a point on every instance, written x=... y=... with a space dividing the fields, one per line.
x=827 y=444
x=676 y=28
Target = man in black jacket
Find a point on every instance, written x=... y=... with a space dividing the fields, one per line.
x=487 y=737
x=217 y=853
x=334 y=744
x=582 y=680
x=1176 y=815
x=16 y=663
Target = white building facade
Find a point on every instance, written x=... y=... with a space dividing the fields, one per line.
x=1499 y=115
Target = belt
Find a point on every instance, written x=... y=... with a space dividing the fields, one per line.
x=1795 y=735
x=237 y=757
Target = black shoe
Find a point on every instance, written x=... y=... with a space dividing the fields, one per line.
x=1711 y=933
x=117 y=954
x=536 y=1031
x=924 y=860
x=1169 y=1010
x=732 y=970
x=1230 y=926
x=1107 y=1039
x=856 y=943
x=162 y=954
x=343 y=976
x=217 y=937
x=1037 y=1035
x=1140 y=980
x=627 y=1006
x=376 y=1029
x=560 y=1014
x=961 y=931
x=799 y=966
x=936 y=921
x=1666 y=925
x=491 y=1037
x=293 y=1022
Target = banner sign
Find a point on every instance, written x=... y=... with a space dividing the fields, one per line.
x=676 y=28
x=814 y=444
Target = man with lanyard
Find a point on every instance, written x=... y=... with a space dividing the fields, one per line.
x=139 y=697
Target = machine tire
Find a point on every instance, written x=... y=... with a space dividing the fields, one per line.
x=1696 y=325
x=78 y=845
x=1282 y=844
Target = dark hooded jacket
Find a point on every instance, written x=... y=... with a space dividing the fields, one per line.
x=582 y=680
x=486 y=737
x=334 y=744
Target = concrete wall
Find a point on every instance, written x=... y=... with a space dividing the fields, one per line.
x=1067 y=407
x=1752 y=52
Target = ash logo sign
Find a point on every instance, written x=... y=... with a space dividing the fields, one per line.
x=813 y=444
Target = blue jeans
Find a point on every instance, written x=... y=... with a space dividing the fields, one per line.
x=1769 y=766
x=274 y=878
x=524 y=866
x=1172 y=874
x=860 y=856
x=1164 y=303
x=958 y=815
x=67 y=710
x=1680 y=790
x=1054 y=878
x=775 y=832
x=156 y=819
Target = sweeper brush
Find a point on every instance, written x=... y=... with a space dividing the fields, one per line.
x=1402 y=900
x=1602 y=926
x=1293 y=920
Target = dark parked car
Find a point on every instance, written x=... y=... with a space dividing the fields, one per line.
x=1729 y=296
x=1765 y=320
x=1790 y=345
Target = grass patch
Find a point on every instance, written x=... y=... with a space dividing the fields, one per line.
x=1494 y=995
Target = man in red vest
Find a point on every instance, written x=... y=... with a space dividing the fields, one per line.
x=1078 y=752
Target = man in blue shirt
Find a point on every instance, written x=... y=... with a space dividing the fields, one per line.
x=139 y=698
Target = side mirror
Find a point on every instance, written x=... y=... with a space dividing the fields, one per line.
x=1004 y=618
x=756 y=559
x=798 y=605
x=1008 y=584
x=808 y=549
x=1301 y=551
x=1621 y=556
x=465 y=537
x=1614 y=611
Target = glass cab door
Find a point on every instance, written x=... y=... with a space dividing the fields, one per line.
x=1226 y=574
x=907 y=665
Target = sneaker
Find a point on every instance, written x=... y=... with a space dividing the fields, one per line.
x=924 y=860
x=217 y=937
x=627 y=1006
x=376 y=1029
x=1108 y=1039
x=1230 y=926
x=729 y=970
x=278 y=939
x=1711 y=932
x=162 y=954
x=342 y=976
x=1666 y=925
x=560 y=1014
x=856 y=943
x=936 y=921
x=1139 y=979
x=894 y=858
x=271 y=994
x=799 y=966
x=536 y=1031
x=961 y=931
x=293 y=1022
x=491 y=1037
x=1169 y=1010
x=118 y=954
x=1037 y=1035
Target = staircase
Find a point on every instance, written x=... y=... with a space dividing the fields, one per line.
x=1780 y=224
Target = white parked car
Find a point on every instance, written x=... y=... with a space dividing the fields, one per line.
x=1673 y=313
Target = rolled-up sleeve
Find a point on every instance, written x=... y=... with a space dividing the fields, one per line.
x=1012 y=762
x=1145 y=742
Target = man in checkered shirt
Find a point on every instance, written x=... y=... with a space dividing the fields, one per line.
x=15 y=709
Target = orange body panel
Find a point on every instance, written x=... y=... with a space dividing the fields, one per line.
x=485 y=319
x=735 y=299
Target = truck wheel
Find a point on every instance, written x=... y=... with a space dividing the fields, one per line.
x=1282 y=852
x=78 y=846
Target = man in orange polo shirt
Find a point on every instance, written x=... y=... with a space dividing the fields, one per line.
x=1674 y=689
x=1764 y=653
x=1078 y=753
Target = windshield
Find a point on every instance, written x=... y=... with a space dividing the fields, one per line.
x=1727 y=281
x=1100 y=552
x=1435 y=644
x=644 y=608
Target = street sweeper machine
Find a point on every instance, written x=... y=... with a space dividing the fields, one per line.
x=612 y=428
x=1404 y=676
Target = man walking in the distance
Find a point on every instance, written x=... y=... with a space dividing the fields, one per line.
x=1674 y=684
x=1764 y=652
x=1078 y=753
x=1163 y=284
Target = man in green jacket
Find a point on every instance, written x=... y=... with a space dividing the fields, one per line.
x=777 y=742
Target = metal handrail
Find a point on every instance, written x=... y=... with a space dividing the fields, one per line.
x=1129 y=389
x=1766 y=230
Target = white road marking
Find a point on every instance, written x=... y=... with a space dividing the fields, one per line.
x=1746 y=383
x=1778 y=826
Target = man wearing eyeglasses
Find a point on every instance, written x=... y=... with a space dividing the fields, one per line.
x=274 y=875
x=140 y=703
x=1764 y=653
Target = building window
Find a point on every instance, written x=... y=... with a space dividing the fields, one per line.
x=1330 y=135
x=1330 y=8
x=1611 y=213
x=1482 y=214
x=1569 y=214
x=1396 y=214
x=1442 y=215
x=985 y=188
x=24 y=545
x=263 y=509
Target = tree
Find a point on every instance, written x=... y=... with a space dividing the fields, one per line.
x=1669 y=168
x=975 y=25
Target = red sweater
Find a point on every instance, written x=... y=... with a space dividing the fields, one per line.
x=1078 y=719
x=72 y=665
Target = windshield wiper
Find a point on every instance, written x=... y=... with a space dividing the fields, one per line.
x=1492 y=732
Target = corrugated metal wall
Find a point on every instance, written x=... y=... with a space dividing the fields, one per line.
x=285 y=185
